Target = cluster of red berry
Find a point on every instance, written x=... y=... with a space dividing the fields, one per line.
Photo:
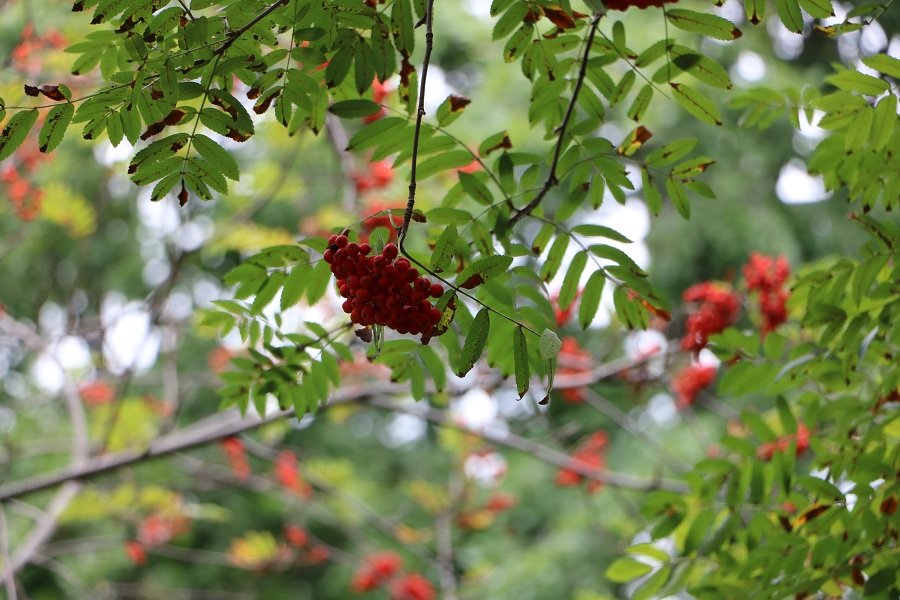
x=378 y=175
x=589 y=455
x=236 y=453
x=383 y=289
x=384 y=567
x=688 y=383
x=573 y=360
x=766 y=275
x=717 y=309
x=287 y=472
x=766 y=451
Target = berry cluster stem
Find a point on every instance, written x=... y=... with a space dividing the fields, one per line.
x=420 y=113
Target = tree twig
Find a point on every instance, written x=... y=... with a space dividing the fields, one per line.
x=420 y=113
x=552 y=178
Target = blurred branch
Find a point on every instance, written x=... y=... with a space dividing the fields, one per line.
x=538 y=451
x=339 y=139
x=9 y=581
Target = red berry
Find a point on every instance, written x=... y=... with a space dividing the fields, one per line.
x=401 y=265
x=328 y=256
x=364 y=249
x=436 y=290
x=347 y=306
x=436 y=315
x=390 y=251
x=341 y=241
x=332 y=240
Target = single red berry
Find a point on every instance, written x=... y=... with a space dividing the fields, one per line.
x=401 y=265
x=436 y=290
x=347 y=306
x=328 y=256
x=332 y=240
x=364 y=249
x=390 y=251
x=341 y=241
x=436 y=315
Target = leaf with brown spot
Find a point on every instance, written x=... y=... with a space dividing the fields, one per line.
x=52 y=92
x=559 y=17
x=888 y=506
x=634 y=141
x=457 y=103
x=533 y=15
x=504 y=144
x=237 y=135
x=810 y=513
x=173 y=118
x=471 y=282
x=263 y=105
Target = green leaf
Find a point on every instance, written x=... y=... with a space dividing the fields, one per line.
x=554 y=257
x=678 y=196
x=443 y=248
x=217 y=156
x=54 y=127
x=16 y=131
x=590 y=298
x=590 y=229
x=789 y=13
x=485 y=268
x=402 y=26
x=351 y=109
x=443 y=162
x=265 y=295
x=755 y=10
x=164 y=186
x=654 y=583
x=880 y=581
x=704 y=24
x=550 y=344
x=651 y=194
x=520 y=355
x=294 y=285
x=696 y=103
x=820 y=9
x=475 y=341
x=671 y=152
x=854 y=81
x=888 y=65
x=569 y=290
x=625 y=569
x=475 y=188
x=641 y=102
x=510 y=20
x=884 y=122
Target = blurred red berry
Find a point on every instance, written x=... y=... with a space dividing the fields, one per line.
x=717 y=308
x=412 y=587
x=689 y=381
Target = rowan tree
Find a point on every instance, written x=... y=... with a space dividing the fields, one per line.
x=354 y=296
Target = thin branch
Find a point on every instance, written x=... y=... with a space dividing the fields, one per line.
x=420 y=113
x=209 y=430
x=339 y=139
x=9 y=580
x=229 y=423
x=538 y=451
x=234 y=36
x=552 y=179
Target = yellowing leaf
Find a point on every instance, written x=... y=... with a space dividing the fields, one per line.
x=68 y=209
